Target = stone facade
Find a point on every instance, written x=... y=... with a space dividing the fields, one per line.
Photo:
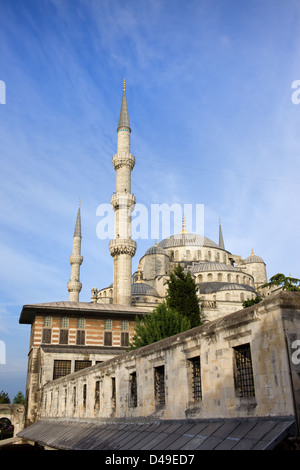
x=243 y=365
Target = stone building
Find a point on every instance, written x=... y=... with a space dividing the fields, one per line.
x=232 y=383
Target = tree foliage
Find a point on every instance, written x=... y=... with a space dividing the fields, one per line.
x=19 y=399
x=4 y=398
x=160 y=324
x=249 y=302
x=182 y=295
x=285 y=282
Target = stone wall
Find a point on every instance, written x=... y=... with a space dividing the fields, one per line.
x=161 y=380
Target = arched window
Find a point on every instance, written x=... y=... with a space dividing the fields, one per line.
x=220 y=277
x=209 y=277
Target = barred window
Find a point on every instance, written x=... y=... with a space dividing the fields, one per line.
x=64 y=322
x=84 y=396
x=48 y=321
x=132 y=390
x=243 y=373
x=124 y=325
x=61 y=368
x=195 y=378
x=63 y=336
x=80 y=337
x=124 y=338
x=82 y=365
x=107 y=324
x=107 y=338
x=159 y=385
x=46 y=337
x=113 y=391
x=81 y=323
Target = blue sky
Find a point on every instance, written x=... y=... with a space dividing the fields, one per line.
x=209 y=88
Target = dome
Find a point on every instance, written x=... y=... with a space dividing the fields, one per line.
x=141 y=288
x=155 y=250
x=212 y=287
x=203 y=267
x=187 y=239
x=253 y=259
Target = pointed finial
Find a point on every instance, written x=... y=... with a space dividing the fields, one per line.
x=139 y=274
x=124 y=84
x=219 y=221
x=252 y=254
x=79 y=202
x=184 y=230
x=155 y=244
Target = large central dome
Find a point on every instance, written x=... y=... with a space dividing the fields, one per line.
x=187 y=239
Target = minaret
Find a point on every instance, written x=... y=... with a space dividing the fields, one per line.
x=123 y=248
x=74 y=286
x=221 y=240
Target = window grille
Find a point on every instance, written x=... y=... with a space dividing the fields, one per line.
x=63 y=336
x=243 y=373
x=133 y=390
x=124 y=325
x=159 y=385
x=81 y=323
x=79 y=365
x=46 y=337
x=80 y=337
x=64 y=322
x=61 y=368
x=84 y=395
x=108 y=325
x=47 y=321
x=196 y=378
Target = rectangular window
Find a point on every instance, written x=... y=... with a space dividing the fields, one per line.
x=81 y=323
x=243 y=373
x=80 y=337
x=46 y=337
x=107 y=338
x=195 y=378
x=124 y=338
x=107 y=324
x=64 y=322
x=113 y=391
x=97 y=395
x=124 y=325
x=159 y=385
x=132 y=390
x=47 y=321
x=63 y=336
x=79 y=365
x=61 y=368
x=84 y=396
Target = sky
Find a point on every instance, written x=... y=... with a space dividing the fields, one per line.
x=214 y=110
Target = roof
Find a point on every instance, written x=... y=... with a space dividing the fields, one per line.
x=187 y=239
x=141 y=288
x=77 y=231
x=124 y=116
x=77 y=308
x=203 y=434
x=156 y=250
x=55 y=348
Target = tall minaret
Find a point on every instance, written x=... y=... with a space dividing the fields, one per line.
x=221 y=240
x=74 y=286
x=123 y=248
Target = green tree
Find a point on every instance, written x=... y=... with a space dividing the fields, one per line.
x=287 y=283
x=182 y=295
x=161 y=323
x=4 y=398
x=249 y=302
x=19 y=399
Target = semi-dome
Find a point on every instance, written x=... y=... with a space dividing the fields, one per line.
x=141 y=288
x=154 y=250
x=187 y=239
x=212 y=287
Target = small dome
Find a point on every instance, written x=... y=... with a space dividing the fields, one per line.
x=155 y=250
x=141 y=288
x=253 y=259
x=187 y=239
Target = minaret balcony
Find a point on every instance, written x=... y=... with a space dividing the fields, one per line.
x=74 y=286
x=122 y=200
x=75 y=259
x=123 y=159
x=122 y=246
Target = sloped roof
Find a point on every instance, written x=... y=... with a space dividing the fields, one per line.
x=203 y=434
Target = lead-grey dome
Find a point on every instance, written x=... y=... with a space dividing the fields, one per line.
x=141 y=288
x=187 y=239
x=206 y=267
x=154 y=250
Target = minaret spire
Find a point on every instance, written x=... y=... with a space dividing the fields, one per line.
x=123 y=248
x=221 y=240
x=74 y=285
